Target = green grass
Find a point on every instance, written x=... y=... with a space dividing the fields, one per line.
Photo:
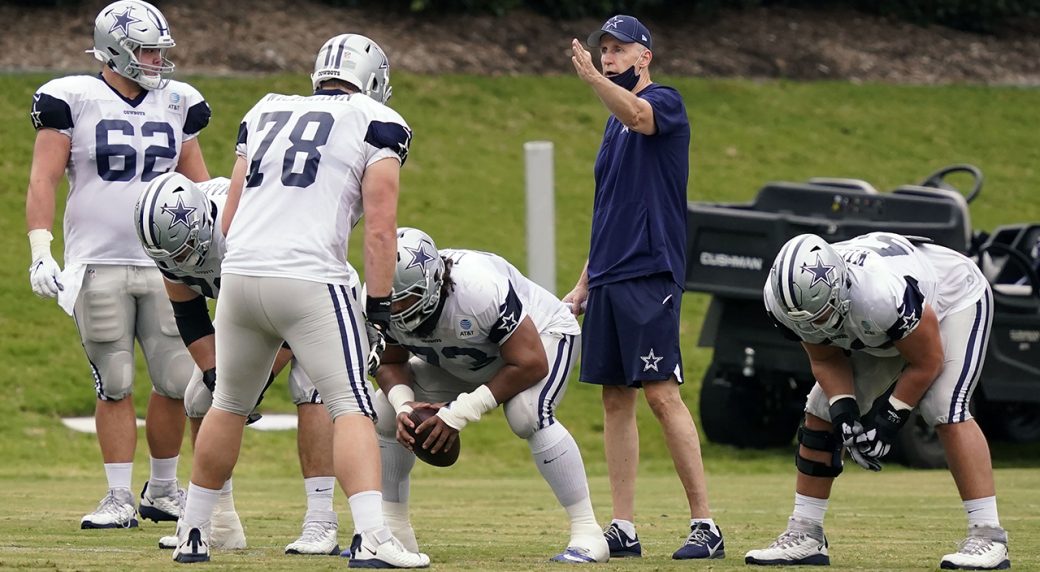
x=463 y=184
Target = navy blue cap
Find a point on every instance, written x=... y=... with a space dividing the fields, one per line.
x=626 y=29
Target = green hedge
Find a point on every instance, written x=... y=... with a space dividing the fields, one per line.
x=976 y=15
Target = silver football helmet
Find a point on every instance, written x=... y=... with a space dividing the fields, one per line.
x=124 y=27
x=357 y=60
x=809 y=281
x=174 y=221
x=419 y=273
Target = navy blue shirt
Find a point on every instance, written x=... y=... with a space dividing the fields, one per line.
x=639 y=213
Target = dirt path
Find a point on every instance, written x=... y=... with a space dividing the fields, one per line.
x=282 y=35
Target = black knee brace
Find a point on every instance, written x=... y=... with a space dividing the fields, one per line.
x=818 y=441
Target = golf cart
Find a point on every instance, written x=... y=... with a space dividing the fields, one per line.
x=754 y=391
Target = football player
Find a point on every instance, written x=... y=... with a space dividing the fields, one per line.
x=466 y=327
x=113 y=133
x=178 y=223
x=308 y=167
x=897 y=321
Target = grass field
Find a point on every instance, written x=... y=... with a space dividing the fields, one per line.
x=463 y=184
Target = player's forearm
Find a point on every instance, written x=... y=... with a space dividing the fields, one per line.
x=39 y=202
x=620 y=102
x=391 y=375
x=913 y=382
x=380 y=254
x=204 y=352
x=511 y=379
x=834 y=378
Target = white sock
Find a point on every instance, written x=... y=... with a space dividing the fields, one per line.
x=626 y=526
x=559 y=461
x=319 y=493
x=227 y=488
x=710 y=522
x=164 y=473
x=366 y=508
x=119 y=475
x=396 y=515
x=809 y=508
x=583 y=519
x=198 y=508
x=982 y=512
x=397 y=463
x=226 y=503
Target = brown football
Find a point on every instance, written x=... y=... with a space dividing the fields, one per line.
x=444 y=458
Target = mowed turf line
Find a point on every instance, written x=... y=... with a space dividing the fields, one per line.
x=899 y=520
x=463 y=183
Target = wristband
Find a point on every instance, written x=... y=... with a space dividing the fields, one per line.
x=468 y=407
x=40 y=243
x=399 y=396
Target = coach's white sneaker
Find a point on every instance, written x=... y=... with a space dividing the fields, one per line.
x=319 y=537
x=162 y=505
x=116 y=510
x=379 y=549
x=802 y=544
x=985 y=548
x=192 y=545
x=226 y=532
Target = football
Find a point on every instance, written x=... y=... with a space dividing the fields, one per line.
x=444 y=458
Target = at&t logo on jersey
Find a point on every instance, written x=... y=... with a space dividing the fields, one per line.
x=465 y=327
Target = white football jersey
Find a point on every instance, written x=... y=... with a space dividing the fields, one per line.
x=891 y=279
x=118 y=146
x=205 y=279
x=489 y=300
x=307 y=156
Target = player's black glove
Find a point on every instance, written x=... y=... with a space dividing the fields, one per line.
x=846 y=422
x=377 y=323
x=880 y=431
x=209 y=379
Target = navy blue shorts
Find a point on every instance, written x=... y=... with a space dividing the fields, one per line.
x=631 y=332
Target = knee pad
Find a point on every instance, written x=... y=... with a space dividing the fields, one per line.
x=522 y=416
x=113 y=374
x=818 y=441
x=171 y=370
x=386 y=419
x=197 y=397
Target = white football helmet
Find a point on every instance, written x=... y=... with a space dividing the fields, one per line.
x=124 y=27
x=809 y=281
x=419 y=272
x=357 y=60
x=174 y=221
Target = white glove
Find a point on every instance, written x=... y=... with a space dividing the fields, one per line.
x=44 y=272
x=45 y=277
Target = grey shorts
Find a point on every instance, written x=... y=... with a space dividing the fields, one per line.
x=198 y=398
x=321 y=322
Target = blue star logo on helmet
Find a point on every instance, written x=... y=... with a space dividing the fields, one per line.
x=820 y=272
x=420 y=257
x=180 y=213
x=123 y=21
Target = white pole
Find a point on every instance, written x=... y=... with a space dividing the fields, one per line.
x=541 y=214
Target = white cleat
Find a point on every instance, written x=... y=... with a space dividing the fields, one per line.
x=802 y=544
x=116 y=510
x=164 y=506
x=192 y=545
x=168 y=542
x=226 y=531
x=379 y=549
x=985 y=548
x=318 y=538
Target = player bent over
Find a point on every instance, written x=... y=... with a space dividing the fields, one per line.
x=479 y=334
x=890 y=317
x=178 y=224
